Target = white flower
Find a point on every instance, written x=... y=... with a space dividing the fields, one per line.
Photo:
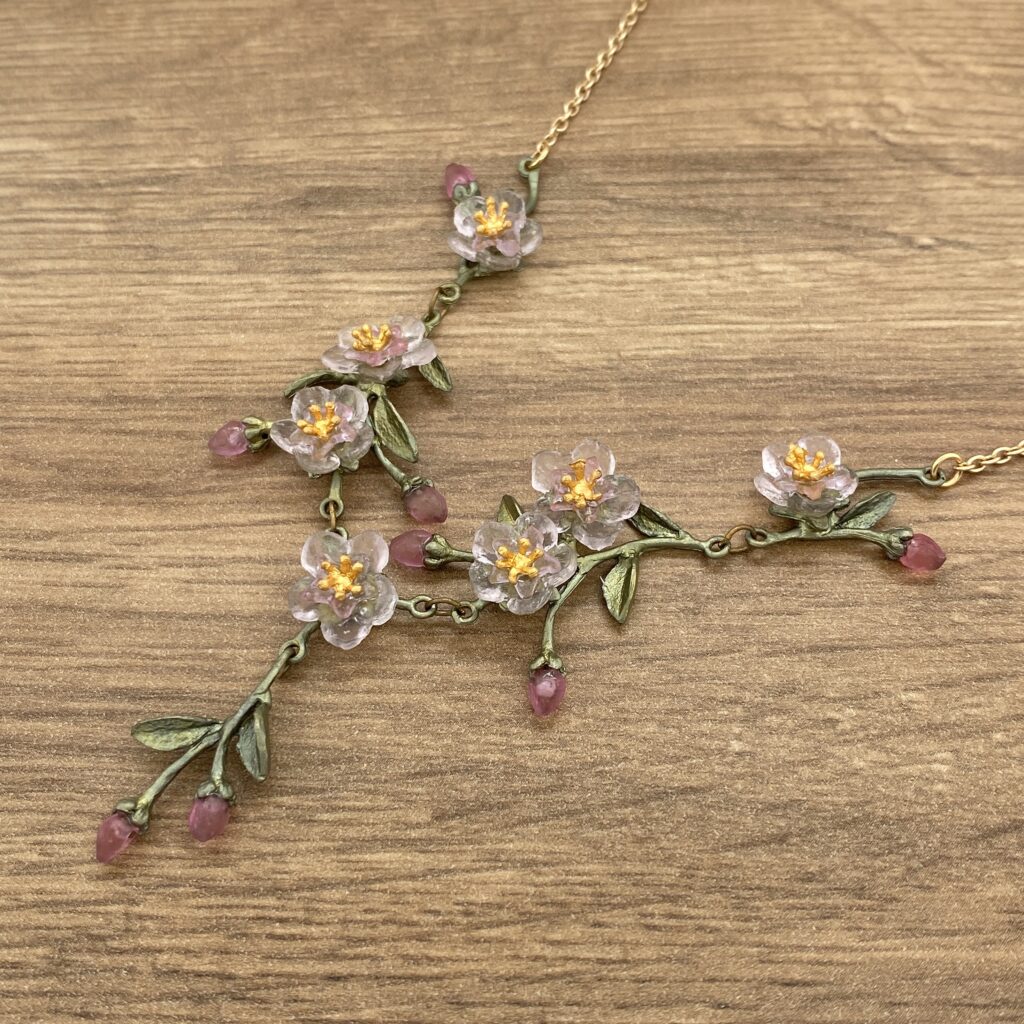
x=328 y=429
x=582 y=492
x=377 y=351
x=344 y=589
x=494 y=231
x=806 y=477
x=520 y=565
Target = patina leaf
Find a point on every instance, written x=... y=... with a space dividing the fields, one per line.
x=253 y=743
x=436 y=374
x=392 y=432
x=509 y=510
x=866 y=513
x=619 y=587
x=652 y=523
x=173 y=732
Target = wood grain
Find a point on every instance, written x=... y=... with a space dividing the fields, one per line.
x=789 y=790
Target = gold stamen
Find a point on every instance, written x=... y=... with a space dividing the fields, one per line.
x=520 y=562
x=322 y=421
x=371 y=338
x=579 y=489
x=341 y=578
x=492 y=221
x=806 y=470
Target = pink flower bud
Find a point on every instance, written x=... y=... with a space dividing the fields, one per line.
x=116 y=833
x=546 y=690
x=455 y=175
x=923 y=555
x=229 y=441
x=426 y=504
x=208 y=818
x=407 y=548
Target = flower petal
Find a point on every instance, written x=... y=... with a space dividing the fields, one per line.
x=508 y=245
x=539 y=528
x=843 y=482
x=490 y=537
x=597 y=536
x=481 y=577
x=620 y=499
x=530 y=237
x=288 y=437
x=340 y=360
x=303 y=399
x=773 y=459
x=771 y=488
x=316 y=465
x=493 y=262
x=346 y=633
x=548 y=469
x=304 y=599
x=814 y=443
x=462 y=246
x=419 y=353
x=352 y=398
x=350 y=453
x=370 y=548
x=596 y=455
x=528 y=605
x=325 y=546
x=566 y=559
x=464 y=216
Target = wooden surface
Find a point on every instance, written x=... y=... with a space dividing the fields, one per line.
x=789 y=790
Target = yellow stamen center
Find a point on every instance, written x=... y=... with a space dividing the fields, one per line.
x=321 y=422
x=371 y=338
x=492 y=220
x=807 y=470
x=579 y=489
x=519 y=563
x=341 y=578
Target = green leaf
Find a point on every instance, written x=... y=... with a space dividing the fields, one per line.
x=436 y=373
x=652 y=523
x=619 y=587
x=866 y=513
x=253 y=745
x=391 y=430
x=173 y=732
x=509 y=510
x=309 y=380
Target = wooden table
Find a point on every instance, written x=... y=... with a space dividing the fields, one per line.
x=789 y=790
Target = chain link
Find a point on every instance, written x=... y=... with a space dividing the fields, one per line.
x=423 y=606
x=951 y=466
x=747 y=534
x=591 y=77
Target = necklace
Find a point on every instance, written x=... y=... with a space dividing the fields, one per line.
x=532 y=556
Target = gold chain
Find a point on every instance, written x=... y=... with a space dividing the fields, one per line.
x=975 y=464
x=593 y=74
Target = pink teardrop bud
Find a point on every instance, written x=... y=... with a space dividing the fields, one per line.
x=407 y=548
x=229 y=441
x=455 y=175
x=426 y=504
x=546 y=690
x=923 y=555
x=208 y=818
x=116 y=833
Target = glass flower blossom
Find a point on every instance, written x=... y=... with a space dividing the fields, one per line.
x=807 y=477
x=328 y=429
x=493 y=230
x=378 y=351
x=582 y=492
x=344 y=589
x=519 y=565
